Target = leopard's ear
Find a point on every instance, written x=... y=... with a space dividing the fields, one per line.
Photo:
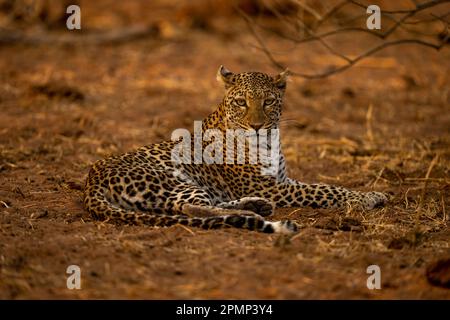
x=280 y=80
x=225 y=76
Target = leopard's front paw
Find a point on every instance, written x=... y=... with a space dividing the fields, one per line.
x=261 y=206
x=374 y=199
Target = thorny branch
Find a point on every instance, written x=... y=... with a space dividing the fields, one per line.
x=312 y=32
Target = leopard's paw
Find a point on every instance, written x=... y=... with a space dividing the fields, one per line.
x=261 y=206
x=374 y=199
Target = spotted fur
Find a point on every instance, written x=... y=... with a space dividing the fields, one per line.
x=147 y=187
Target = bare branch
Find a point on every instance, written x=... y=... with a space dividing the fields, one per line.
x=251 y=22
x=367 y=54
x=112 y=36
x=331 y=13
x=316 y=37
x=307 y=8
x=419 y=7
x=311 y=35
x=435 y=18
x=259 y=40
x=354 y=60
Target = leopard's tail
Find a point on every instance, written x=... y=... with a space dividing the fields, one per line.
x=103 y=210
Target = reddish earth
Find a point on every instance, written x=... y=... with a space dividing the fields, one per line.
x=382 y=125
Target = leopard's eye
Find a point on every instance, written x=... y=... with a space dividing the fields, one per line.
x=241 y=102
x=269 y=102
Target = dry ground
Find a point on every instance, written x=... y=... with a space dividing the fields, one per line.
x=383 y=125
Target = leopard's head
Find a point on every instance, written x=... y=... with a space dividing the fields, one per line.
x=253 y=100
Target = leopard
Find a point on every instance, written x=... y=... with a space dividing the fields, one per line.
x=150 y=186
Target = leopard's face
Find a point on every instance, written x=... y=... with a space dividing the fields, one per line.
x=253 y=100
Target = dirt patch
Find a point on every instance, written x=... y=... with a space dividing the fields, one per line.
x=375 y=127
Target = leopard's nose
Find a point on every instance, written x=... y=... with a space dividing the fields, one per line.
x=257 y=126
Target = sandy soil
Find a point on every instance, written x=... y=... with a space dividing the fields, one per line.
x=382 y=125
